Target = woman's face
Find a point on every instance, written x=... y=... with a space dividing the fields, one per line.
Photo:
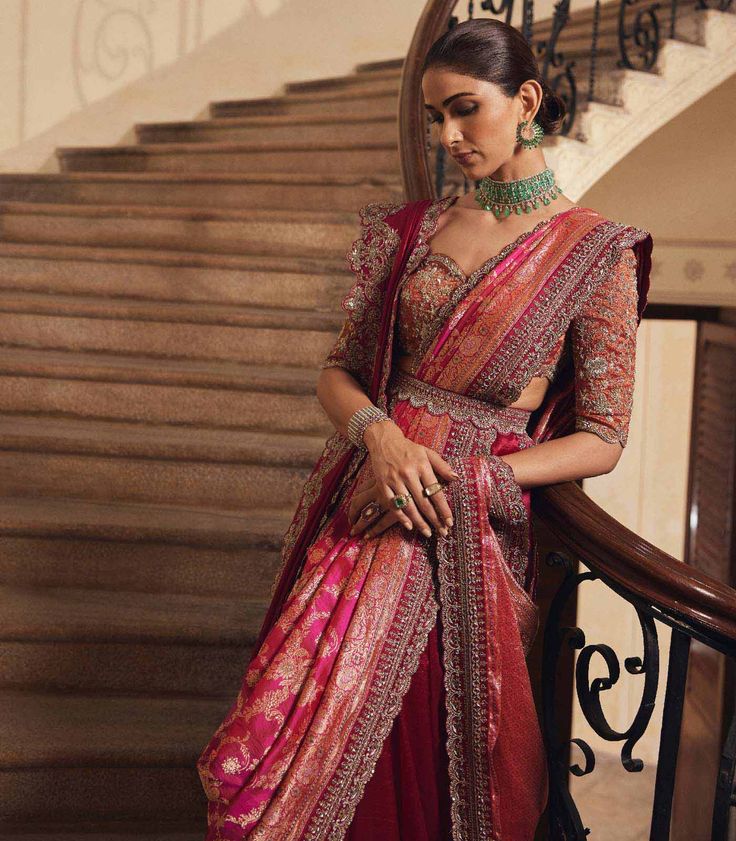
x=476 y=120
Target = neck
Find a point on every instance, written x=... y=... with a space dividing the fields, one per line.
x=520 y=166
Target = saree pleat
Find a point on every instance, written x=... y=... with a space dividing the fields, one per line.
x=388 y=696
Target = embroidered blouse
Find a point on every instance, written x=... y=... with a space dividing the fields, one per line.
x=600 y=341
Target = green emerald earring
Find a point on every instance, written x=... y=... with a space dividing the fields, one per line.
x=536 y=138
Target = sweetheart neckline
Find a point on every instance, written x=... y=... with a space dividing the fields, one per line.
x=504 y=252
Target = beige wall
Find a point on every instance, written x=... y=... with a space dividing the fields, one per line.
x=82 y=72
x=676 y=186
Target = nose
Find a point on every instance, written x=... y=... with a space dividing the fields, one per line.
x=450 y=134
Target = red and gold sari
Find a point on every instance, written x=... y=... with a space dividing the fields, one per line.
x=354 y=624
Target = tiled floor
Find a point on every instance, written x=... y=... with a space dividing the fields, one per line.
x=615 y=803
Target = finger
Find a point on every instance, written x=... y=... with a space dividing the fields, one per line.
x=438 y=499
x=363 y=523
x=411 y=511
x=401 y=514
x=380 y=525
x=424 y=505
x=358 y=502
x=440 y=466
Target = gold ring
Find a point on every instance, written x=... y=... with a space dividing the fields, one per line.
x=370 y=510
x=400 y=501
x=434 y=488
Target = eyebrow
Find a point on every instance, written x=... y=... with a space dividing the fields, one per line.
x=449 y=99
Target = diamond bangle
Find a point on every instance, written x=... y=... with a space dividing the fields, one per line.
x=360 y=420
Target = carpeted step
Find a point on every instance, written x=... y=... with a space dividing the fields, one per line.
x=307 y=233
x=64 y=639
x=362 y=157
x=212 y=393
x=263 y=190
x=265 y=280
x=345 y=128
x=381 y=102
x=93 y=757
x=106 y=461
x=352 y=81
x=261 y=336
x=58 y=542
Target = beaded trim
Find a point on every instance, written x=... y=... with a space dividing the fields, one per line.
x=440 y=401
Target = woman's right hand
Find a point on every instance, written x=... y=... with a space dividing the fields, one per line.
x=401 y=466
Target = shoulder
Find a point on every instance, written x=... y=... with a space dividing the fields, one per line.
x=619 y=234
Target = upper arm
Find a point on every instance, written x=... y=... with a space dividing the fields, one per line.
x=603 y=341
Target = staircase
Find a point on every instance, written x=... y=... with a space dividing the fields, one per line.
x=163 y=311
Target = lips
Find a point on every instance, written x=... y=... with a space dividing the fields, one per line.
x=464 y=157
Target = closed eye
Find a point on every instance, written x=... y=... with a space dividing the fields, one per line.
x=464 y=113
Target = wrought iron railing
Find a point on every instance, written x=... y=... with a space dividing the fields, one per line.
x=570 y=47
x=662 y=591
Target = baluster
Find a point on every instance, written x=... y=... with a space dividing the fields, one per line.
x=673 y=16
x=594 y=49
x=644 y=33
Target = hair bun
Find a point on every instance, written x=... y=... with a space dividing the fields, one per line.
x=552 y=110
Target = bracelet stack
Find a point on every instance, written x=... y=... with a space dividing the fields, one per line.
x=360 y=420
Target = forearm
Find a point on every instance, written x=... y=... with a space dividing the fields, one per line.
x=576 y=456
x=341 y=395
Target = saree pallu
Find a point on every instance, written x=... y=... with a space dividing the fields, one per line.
x=350 y=619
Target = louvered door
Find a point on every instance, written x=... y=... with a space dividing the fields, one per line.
x=710 y=547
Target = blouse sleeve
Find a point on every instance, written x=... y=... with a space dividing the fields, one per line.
x=370 y=258
x=603 y=338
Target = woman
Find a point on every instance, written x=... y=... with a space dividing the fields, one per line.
x=389 y=697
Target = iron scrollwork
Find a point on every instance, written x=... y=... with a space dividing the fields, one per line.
x=563 y=84
x=565 y=821
x=644 y=33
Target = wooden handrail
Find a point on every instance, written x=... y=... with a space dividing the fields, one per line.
x=678 y=591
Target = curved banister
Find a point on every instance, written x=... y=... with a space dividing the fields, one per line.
x=679 y=591
x=415 y=169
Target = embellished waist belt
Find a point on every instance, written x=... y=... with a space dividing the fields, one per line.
x=482 y=414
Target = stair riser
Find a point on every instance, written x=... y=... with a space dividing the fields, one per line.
x=259 y=346
x=90 y=477
x=383 y=131
x=249 y=287
x=147 y=668
x=201 y=235
x=140 y=566
x=385 y=105
x=366 y=162
x=377 y=81
x=254 y=195
x=148 y=403
x=129 y=793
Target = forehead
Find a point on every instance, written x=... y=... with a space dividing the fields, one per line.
x=440 y=82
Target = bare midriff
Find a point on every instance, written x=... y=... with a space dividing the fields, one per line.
x=530 y=398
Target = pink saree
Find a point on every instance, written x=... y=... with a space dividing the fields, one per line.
x=351 y=620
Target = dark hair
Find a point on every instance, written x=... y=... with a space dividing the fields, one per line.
x=494 y=51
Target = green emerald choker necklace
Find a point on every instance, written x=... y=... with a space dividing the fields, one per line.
x=521 y=196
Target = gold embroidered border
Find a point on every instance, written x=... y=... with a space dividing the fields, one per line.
x=399 y=660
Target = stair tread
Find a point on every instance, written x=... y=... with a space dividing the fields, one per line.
x=229 y=146
x=197 y=312
x=39 y=730
x=145 y=211
x=79 y=614
x=272 y=119
x=297 y=98
x=170 y=257
x=137 y=521
x=124 y=368
x=120 y=439
x=326 y=179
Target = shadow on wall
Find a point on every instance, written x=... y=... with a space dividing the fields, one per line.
x=83 y=72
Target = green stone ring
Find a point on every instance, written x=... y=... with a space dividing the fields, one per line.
x=400 y=501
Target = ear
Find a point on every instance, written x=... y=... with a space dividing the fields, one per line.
x=530 y=95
